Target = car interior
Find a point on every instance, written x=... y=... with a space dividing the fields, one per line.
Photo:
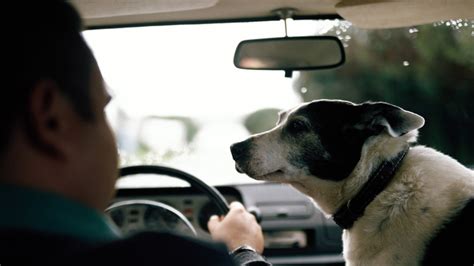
x=189 y=78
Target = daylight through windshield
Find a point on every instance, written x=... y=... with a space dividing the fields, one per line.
x=179 y=101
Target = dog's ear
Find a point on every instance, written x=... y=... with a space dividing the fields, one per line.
x=380 y=116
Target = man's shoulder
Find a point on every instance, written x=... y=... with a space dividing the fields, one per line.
x=167 y=247
x=15 y=242
x=25 y=247
x=141 y=249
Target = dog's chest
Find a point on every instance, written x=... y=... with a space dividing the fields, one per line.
x=399 y=224
x=368 y=249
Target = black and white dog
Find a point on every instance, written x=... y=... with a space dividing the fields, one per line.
x=399 y=204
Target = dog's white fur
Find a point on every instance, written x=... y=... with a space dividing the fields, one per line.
x=429 y=187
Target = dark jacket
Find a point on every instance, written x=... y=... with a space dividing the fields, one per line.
x=34 y=248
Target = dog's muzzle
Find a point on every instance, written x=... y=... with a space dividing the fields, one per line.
x=240 y=153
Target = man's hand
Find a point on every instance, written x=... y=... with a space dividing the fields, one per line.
x=237 y=228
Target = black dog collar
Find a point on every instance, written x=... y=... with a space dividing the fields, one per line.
x=354 y=208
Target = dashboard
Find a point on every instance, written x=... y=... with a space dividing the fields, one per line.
x=295 y=231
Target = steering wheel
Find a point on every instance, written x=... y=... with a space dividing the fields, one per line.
x=142 y=208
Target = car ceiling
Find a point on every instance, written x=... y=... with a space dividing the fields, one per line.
x=362 y=13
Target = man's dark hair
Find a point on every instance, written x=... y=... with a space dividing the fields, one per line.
x=43 y=42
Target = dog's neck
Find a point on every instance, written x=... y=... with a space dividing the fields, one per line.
x=353 y=209
x=329 y=196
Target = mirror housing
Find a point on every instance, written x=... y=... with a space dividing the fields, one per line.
x=290 y=53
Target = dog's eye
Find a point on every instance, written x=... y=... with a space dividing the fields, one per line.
x=298 y=125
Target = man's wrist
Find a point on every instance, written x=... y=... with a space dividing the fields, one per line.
x=246 y=255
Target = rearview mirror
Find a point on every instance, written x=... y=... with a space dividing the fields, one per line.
x=290 y=53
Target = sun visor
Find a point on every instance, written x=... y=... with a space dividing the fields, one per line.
x=392 y=14
x=114 y=8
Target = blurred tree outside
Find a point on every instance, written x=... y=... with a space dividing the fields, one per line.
x=261 y=120
x=428 y=70
x=148 y=148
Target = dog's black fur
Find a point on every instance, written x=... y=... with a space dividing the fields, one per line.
x=453 y=243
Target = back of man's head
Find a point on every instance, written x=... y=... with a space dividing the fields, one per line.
x=42 y=42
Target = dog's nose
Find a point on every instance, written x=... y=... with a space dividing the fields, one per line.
x=240 y=149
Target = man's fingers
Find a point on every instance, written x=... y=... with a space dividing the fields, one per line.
x=237 y=205
x=213 y=222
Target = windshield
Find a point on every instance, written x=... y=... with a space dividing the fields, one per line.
x=179 y=101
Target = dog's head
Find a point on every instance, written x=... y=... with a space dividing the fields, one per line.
x=322 y=138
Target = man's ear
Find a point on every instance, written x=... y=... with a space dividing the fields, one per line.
x=47 y=119
x=380 y=116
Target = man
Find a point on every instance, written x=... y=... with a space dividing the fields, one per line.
x=58 y=159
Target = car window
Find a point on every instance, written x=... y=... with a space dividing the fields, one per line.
x=180 y=102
